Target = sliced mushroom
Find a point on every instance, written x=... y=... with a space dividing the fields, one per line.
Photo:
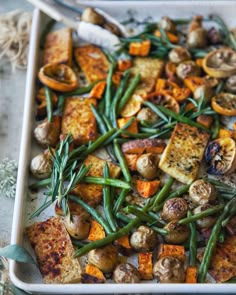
x=179 y=54
x=41 y=165
x=187 y=69
x=169 y=270
x=230 y=84
x=147 y=165
x=205 y=222
x=202 y=192
x=177 y=233
x=175 y=208
x=167 y=24
x=147 y=115
x=126 y=273
x=144 y=239
x=105 y=258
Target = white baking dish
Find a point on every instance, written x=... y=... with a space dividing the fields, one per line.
x=27 y=277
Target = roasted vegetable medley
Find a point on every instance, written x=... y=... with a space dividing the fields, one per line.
x=140 y=155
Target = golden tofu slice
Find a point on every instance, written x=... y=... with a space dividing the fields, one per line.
x=223 y=262
x=92 y=193
x=54 y=252
x=184 y=152
x=58 y=47
x=150 y=70
x=92 y=61
x=78 y=119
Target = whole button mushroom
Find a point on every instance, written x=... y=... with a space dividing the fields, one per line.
x=144 y=239
x=41 y=166
x=105 y=258
x=77 y=226
x=126 y=273
x=177 y=233
x=230 y=84
x=205 y=222
x=202 y=192
x=167 y=24
x=169 y=270
x=197 y=38
x=147 y=165
x=175 y=208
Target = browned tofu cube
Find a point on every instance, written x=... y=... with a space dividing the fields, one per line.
x=78 y=119
x=54 y=252
x=92 y=61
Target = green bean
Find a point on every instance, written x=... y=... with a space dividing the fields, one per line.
x=117 y=97
x=107 y=202
x=148 y=130
x=181 y=118
x=82 y=90
x=98 y=143
x=123 y=217
x=77 y=243
x=108 y=92
x=93 y=212
x=221 y=237
x=159 y=230
x=101 y=106
x=211 y=244
x=120 y=200
x=106 y=181
x=230 y=215
x=192 y=242
x=48 y=103
x=60 y=105
x=216 y=127
x=119 y=132
x=179 y=192
x=136 y=135
x=154 y=108
x=107 y=122
x=128 y=93
x=39 y=184
x=101 y=125
x=45 y=33
x=201 y=215
x=109 y=238
x=140 y=214
x=123 y=164
x=161 y=134
x=161 y=195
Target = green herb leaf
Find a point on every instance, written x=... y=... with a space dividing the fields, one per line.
x=17 y=253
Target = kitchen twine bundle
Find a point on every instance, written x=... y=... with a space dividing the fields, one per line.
x=14 y=37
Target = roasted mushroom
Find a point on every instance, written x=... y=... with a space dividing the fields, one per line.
x=105 y=258
x=220 y=156
x=147 y=165
x=169 y=269
x=214 y=36
x=41 y=165
x=179 y=54
x=126 y=273
x=202 y=192
x=77 y=226
x=177 y=233
x=197 y=38
x=203 y=91
x=47 y=133
x=90 y=15
x=175 y=208
x=230 y=84
x=144 y=239
x=147 y=115
x=167 y=24
x=205 y=222
x=187 y=69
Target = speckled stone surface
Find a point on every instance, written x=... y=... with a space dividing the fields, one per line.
x=12 y=88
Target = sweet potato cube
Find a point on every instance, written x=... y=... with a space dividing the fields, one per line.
x=171 y=37
x=140 y=48
x=205 y=120
x=224 y=133
x=145 y=265
x=124 y=246
x=131 y=160
x=132 y=128
x=171 y=250
x=96 y=231
x=124 y=64
x=93 y=275
x=147 y=189
x=191 y=275
x=98 y=90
